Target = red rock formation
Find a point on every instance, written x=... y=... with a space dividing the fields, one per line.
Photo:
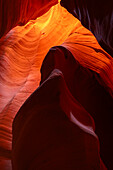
x=44 y=136
x=85 y=87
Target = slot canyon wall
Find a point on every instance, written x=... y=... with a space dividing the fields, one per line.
x=56 y=84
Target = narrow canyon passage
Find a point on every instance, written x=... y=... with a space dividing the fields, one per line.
x=56 y=89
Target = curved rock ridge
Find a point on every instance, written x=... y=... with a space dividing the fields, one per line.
x=44 y=136
x=85 y=49
x=84 y=86
x=97 y=16
x=19 y=12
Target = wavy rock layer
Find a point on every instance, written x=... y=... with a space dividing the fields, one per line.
x=85 y=49
x=22 y=52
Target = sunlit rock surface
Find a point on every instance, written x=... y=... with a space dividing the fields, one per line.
x=22 y=52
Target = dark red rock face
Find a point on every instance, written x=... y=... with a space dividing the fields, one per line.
x=94 y=99
x=56 y=85
x=44 y=135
